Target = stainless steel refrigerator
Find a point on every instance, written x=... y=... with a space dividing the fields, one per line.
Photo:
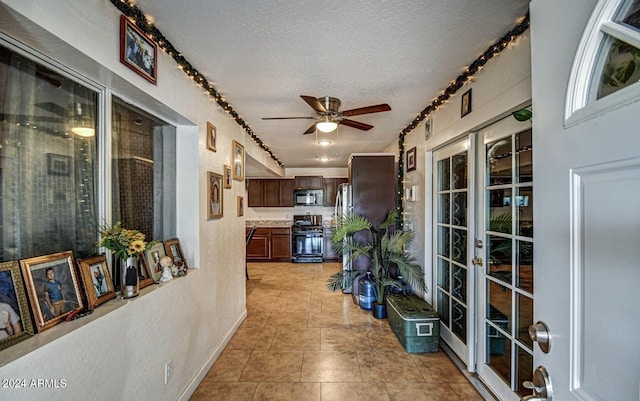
x=344 y=207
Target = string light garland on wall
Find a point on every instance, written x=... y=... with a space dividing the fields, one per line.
x=137 y=17
x=446 y=94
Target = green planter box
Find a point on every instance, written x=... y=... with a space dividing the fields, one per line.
x=414 y=322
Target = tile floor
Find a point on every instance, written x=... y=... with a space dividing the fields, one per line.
x=301 y=342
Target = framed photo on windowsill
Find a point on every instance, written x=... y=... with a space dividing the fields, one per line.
x=152 y=258
x=53 y=288
x=14 y=306
x=96 y=280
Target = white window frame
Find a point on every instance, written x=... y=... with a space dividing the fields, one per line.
x=581 y=103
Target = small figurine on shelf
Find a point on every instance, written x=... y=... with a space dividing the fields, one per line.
x=167 y=265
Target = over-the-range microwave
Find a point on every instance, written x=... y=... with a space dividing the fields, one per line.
x=308 y=197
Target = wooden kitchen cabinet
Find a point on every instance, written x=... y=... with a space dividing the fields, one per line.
x=270 y=245
x=330 y=186
x=258 y=247
x=308 y=182
x=280 y=244
x=330 y=254
x=270 y=192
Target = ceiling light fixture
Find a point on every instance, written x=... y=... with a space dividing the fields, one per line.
x=324 y=159
x=326 y=125
x=82 y=129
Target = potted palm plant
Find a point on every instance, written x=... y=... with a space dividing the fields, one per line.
x=385 y=248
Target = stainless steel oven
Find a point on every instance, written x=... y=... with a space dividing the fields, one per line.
x=307 y=239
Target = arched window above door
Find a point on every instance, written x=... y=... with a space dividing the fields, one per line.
x=607 y=62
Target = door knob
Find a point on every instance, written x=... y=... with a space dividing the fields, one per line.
x=541 y=386
x=477 y=261
x=540 y=334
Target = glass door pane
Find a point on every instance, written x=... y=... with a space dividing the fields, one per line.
x=451 y=245
x=508 y=271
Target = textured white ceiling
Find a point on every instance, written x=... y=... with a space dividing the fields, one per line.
x=262 y=55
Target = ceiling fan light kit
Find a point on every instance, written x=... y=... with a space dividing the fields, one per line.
x=328 y=117
x=326 y=125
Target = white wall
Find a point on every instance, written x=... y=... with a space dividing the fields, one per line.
x=503 y=85
x=120 y=351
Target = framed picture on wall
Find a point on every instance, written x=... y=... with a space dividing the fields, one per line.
x=238 y=161
x=411 y=159
x=138 y=52
x=15 y=325
x=465 y=107
x=240 y=206
x=227 y=177
x=212 y=136
x=96 y=280
x=53 y=288
x=214 y=195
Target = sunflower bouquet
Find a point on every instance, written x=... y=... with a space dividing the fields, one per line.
x=122 y=241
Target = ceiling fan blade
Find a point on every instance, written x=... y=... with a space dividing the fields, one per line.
x=288 y=118
x=310 y=130
x=356 y=124
x=367 y=110
x=314 y=103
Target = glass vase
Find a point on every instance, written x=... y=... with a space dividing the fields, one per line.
x=129 y=283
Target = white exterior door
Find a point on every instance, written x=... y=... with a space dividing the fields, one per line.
x=587 y=183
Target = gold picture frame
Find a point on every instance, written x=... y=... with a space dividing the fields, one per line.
x=227 y=177
x=240 y=206
x=45 y=289
x=152 y=258
x=238 y=161
x=15 y=305
x=96 y=280
x=214 y=195
x=212 y=137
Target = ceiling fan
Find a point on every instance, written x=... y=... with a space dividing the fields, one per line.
x=328 y=117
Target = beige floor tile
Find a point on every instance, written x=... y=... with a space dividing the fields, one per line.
x=229 y=366
x=288 y=319
x=346 y=339
x=305 y=305
x=268 y=391
x=388 y=366
x=328 y=319
x=296 y=339
x=330 y=366
x=421 y=392
x=249 y=338
x=438 y=368
x=466 y=392
x=302 y=342
x=364 y=318
x=382 y=338
x=353 y=392
x=273 y=366
x=224 y=391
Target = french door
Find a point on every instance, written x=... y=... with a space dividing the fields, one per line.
x=483 y=253
x=453 y=244
x=504 y=257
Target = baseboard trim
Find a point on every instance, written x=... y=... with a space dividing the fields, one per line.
x=193 y=385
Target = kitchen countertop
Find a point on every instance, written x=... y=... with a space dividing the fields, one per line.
x=269 y=223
